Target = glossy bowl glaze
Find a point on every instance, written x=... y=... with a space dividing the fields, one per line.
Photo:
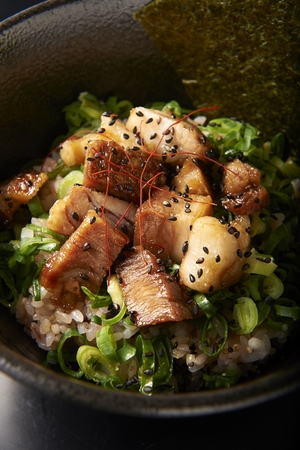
x=49 y=54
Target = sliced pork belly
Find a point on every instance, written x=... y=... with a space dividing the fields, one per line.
x=244 y=192
x=111 y=169
x=19 y=191
x=164 y=135
x=164 y=221
x=83 y=260
x=66 y=215
x=151 y=295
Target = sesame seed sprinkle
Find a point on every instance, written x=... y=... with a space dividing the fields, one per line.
x=86 y=246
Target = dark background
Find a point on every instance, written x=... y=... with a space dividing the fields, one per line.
x=30 y=421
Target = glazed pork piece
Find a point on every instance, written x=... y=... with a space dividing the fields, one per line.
x=244 y=192
x=66 y=214
x=163 y=222
x=17 y=192
x=83 y=260
x=151 y=295
x=125 y=174
x=165 y=135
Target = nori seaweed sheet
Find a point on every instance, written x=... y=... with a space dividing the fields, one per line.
x=242 y=55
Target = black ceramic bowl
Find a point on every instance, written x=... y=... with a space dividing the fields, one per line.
x=49 y=54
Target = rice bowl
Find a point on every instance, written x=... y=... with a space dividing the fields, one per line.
x=259 y=344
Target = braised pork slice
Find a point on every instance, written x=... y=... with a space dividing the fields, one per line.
x=19 y=191
x=83 y=260
x=66 y=214
x=244 y=192
x=164 y=221
x=151 y=295
x=118 y=172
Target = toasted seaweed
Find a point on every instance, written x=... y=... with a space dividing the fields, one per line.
x=242 y=55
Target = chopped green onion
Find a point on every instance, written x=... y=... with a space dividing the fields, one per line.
x=273 y=286
x=99 y=301
x=146 y=357
x=245 y=313
x=205 y=340
x=70 y=333
x=74 y=177
x=205 y=305
x=226 y=379
x=125 y=351
x=36 y=208
x=163 y=359
x=91 y=363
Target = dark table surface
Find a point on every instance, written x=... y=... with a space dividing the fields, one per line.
x=32 y=421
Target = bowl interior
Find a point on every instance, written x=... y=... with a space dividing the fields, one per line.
x=48 y=56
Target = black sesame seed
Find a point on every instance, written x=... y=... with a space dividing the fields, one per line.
x=86 y=246
x=185 y=246
x=195 y=310
x=166 y=203
x=149 y=120
x=125 y=136
x=148 y=389
x=238 y=205
x=153 y=136
x=232 y=230
x=172 y=218
x=247 y=254
x=211 y=288
x=148 y=372
x=239 y=253
x=92 y=220
x=161 y=352
x=75 y=216
x=90 y=159
x=174 y=199
x=218 y=258
x=139 y=113
x=248 y=230
x=200 y=260
x=192 y=278
x=199 y=273
x=84 y=276
x=246 y=266
x=205 y=249
x=124 y=229
x=169 y=140
x=257 y=200
x=101 y=130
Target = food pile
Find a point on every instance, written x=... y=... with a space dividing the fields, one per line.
x=154 y=250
